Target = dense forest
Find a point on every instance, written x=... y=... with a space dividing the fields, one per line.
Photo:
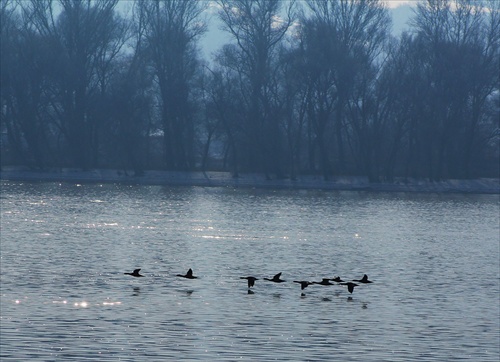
x=302 y=87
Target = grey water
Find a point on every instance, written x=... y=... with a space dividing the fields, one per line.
x=434 y=260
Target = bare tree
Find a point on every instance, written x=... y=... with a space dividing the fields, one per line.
x=342 y=41
x=224 y=104
x=332 y=92
x=458 y=43
x=171 y=29
x=292 y=94
x=91 y=36
x=27 y=65
x=130 y=118
x=257 y=27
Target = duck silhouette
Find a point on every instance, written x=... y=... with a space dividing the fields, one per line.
x=303 y=284
x=135 y=273
x=337 y=280
x=276 y=279
x=188 y=275
x=350 y=286
x=251 y=281
x=363 y=280
x=325 y=281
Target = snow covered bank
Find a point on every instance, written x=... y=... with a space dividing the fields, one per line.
x=224 y=179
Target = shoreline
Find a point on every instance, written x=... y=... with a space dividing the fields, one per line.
x=224 y=179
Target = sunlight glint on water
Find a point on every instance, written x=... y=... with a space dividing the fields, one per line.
x=434 y=260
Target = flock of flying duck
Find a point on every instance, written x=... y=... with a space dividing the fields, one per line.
x=277 y=279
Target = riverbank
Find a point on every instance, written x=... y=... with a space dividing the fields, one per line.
x=224 y=179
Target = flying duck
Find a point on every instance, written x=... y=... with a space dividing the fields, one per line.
x=303 y=284
x=251 y=281
x=135 y=273
x=325 y=281
x=337 y=280
x=350 y=286
x=363 y=280
x=189 y=275
x=276 y=279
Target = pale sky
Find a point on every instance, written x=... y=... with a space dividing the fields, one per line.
x=215 y=38
x=396 y=3
x=400 y=10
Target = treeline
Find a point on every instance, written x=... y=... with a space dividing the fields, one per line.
x=316 y=86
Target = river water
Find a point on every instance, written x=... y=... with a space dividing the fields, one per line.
x=433 y=259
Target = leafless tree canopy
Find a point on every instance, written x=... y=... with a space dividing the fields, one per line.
x=315 y=86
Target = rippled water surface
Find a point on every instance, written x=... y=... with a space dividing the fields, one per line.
x=434 y=260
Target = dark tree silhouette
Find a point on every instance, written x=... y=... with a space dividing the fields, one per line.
x=257 y=29
x=170 y=30
x=331 y=91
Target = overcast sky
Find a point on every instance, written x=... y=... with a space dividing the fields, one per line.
x=401 y=10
